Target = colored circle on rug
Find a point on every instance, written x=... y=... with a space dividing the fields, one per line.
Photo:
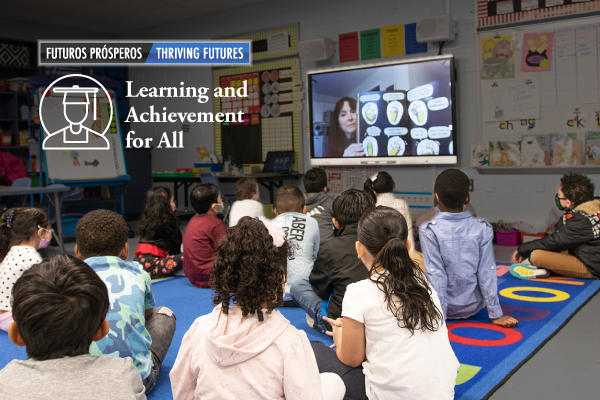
x=511 y=336
x=559 y=295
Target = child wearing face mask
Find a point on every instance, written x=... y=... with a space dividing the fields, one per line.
x=159 y=250
x=202 y=234
x=22 y=232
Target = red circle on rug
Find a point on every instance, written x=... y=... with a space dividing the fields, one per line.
x=511 y=336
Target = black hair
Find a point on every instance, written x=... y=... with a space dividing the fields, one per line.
x=101 y=233
x=249 y=269
x=157 y=212
x=350 y=206
x=289 y=199
x=452 y=188
x=245 y=188
x=58 y=306
x=383 y=231
x=203 y=197
x=577 y=188
x=315 y=180
x=19 y=224
x=384 y=183
x=337 y=137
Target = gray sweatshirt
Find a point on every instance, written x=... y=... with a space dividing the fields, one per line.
x=72 y=378
x=320 y=207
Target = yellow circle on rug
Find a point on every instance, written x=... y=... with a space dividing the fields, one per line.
x=559 y=295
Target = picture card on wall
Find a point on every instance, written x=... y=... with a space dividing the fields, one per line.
x=566 y=153
x=497 y=57
x=411 y=45
x=370 y=44
x=576 y=122
x=529 y=5
x=509 y=100
x=535 y=150
x=480 y=154
x=560 y=136
x=505 y=154
x=592 y=148
x=348 y=44
x=392 y=38
x=537 y=52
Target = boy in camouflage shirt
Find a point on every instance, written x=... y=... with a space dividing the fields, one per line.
x=137 y=329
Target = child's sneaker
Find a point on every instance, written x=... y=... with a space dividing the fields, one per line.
x=523 y=271
x=311 y=323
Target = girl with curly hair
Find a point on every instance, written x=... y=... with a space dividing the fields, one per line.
x=159 y=250
x=245 y=348
x=391 y=323
x=23 y=231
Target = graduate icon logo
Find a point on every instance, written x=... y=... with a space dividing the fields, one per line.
x=76 y=112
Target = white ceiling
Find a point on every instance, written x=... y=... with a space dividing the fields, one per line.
x=112 y=17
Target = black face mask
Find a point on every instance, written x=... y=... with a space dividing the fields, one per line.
x=557 y=200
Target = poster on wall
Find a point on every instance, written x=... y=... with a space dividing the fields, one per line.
x=348 y=45
x=392 y=38
x=497 y=57
x=510 y=100
x=537 y=52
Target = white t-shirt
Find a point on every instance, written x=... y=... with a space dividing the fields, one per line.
x=245 y=208
x=18 y=260
x=399 y=366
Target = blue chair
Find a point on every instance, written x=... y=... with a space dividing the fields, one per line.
x=210 y=177
x=19 y=201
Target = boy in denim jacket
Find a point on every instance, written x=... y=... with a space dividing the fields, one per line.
x=458 y=253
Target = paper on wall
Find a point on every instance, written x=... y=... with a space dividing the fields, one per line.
x=517 y=127
x=577 y=122
x=509 y=100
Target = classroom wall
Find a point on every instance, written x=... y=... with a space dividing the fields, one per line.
x=28 y=31
x=508 y=197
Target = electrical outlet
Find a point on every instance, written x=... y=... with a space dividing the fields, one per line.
x=471 y=185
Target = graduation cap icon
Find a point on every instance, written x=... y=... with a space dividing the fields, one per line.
x=75 y=100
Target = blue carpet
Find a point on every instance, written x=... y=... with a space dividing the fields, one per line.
x=487 y=356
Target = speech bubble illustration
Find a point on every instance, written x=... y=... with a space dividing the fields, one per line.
x=373 y=131
x=439 y=132
x=395 y=109
x=418 y=133
x=369 y=97
x=418 y=112
x=396 y=131
x=393 y=96
x=437 y=104
x=396 y=146
x=369 y=113
x=428 y=148
x=370 y=147
x=420 y=92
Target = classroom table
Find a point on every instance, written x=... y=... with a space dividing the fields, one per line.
x=54 y=190
x=269 y=180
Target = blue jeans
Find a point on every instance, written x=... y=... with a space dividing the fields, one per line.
x=310 y=302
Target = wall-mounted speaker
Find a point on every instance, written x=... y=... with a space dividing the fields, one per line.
x=435 y=29
x=316 y=49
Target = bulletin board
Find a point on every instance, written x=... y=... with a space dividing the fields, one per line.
x=276 y=42
x=77 y=164
x=272 y=111
x=549 y=83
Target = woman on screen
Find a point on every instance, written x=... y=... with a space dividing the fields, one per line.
x=342 y=137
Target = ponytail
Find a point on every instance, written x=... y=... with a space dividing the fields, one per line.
x=383 y=231
x=18 y=225
x=368 y=189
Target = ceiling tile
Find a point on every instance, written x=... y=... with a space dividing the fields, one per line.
x=62 y=21
x=108 y=10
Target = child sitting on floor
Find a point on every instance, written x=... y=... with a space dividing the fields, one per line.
x=137 y=329
x=245 y=349
x=392 y=323
x=301 y=230
x=459 y=255
x=248 y=201
x=574 y=249
x=336 y=265
x=319 y=204
x=159 y=250
x=382 y=189
x=59 y=307
x=202 y=234
x=22 y=232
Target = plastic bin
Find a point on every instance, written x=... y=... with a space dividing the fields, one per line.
x=529 y=237
x=512 y=238
x=209 y=167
